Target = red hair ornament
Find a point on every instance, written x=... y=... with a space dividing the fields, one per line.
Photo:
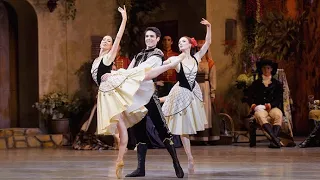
x=193 y=43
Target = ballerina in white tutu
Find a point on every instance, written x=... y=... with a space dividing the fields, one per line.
x=122 y=95
x=183 y=107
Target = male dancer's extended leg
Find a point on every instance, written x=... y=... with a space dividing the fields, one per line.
x=157 y=117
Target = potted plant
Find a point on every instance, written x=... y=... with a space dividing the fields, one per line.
x=56 y=108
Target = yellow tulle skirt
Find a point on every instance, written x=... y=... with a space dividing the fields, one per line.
x=122 y=95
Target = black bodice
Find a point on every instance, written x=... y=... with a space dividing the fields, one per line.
x=102 y=69
x=181 y=77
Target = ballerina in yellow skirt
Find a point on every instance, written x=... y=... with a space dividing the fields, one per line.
x=123 y=93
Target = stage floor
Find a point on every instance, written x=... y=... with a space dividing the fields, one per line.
x=212 y=162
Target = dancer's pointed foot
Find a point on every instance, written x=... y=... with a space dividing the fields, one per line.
x=191 y=166
x=119 y=169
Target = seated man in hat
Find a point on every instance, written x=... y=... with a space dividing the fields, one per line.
x=265 y=96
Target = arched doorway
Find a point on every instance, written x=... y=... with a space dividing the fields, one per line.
x=19 y=64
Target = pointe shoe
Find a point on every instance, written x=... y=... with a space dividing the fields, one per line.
x=191 y=167
x=119 y=169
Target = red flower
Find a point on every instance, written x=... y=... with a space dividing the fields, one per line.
x=193 y=42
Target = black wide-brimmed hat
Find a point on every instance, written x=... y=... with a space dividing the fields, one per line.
x=266 y=62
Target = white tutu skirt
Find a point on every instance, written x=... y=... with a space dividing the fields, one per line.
x=122 y=95
x=184 y=110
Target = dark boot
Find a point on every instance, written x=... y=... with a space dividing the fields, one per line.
x=172 y=150
x=268 y=129
x=141 y=153
x=253 y=133
x=276 y=130
x=311 y=140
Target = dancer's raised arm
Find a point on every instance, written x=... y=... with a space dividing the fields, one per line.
x=207 y=43
x=113 y=52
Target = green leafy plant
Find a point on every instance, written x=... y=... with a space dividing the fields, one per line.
x=57 y=105
x=70 y=10
x=279 y=36
x=245 y=80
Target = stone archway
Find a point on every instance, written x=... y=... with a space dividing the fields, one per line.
x=19 y=79
x=5 y=119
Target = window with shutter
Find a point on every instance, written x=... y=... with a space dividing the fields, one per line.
x=95 y=46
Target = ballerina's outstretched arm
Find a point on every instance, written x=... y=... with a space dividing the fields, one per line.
x=207 y=43
x=113 y=52
x=168 y=60
x=172 y=63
